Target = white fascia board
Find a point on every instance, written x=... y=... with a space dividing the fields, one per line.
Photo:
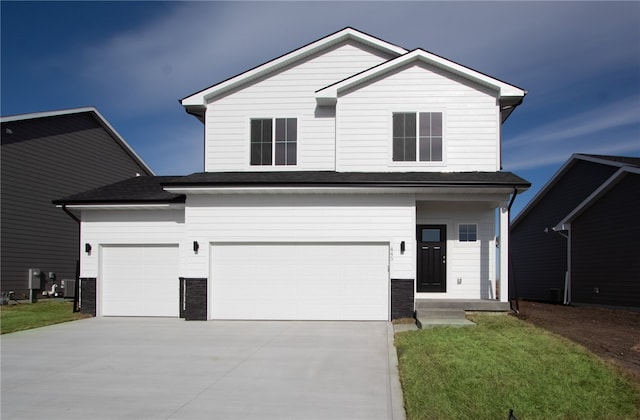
x=201 y=98
x=505 y=90
x=122 y=141
x=166 y=206
x=44 y=114
x=565 y=224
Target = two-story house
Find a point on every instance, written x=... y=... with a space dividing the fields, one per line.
x=345 y=180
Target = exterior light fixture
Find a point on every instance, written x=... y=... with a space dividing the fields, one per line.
x=87 y=248
x=402 y=247
x=196 y=246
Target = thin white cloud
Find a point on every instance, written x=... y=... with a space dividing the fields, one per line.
x=618 y=114
x=196 y=44
x=556 y=155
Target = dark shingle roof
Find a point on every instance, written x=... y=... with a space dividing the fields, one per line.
x=149 y=189
x=325 y=178
x=627 y=160
x=141 y=189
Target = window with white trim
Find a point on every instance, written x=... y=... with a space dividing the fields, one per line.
x=266 y=151
x=417 y=136
x=467 y=232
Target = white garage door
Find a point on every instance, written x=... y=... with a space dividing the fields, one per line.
x=300 y=281
x=140 y=280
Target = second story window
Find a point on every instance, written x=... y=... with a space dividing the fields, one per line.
x=282 y=151
x=417 y=136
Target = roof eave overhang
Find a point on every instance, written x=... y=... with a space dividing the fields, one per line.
x=123 y=205
x=565 y=223
x=555 y=178
x=381 y=188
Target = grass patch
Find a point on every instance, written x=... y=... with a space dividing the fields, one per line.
x=503 y=363
x=26 y=316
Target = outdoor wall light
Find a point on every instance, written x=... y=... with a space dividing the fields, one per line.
x=402 y=247
x=196 y=246
x=87 y=248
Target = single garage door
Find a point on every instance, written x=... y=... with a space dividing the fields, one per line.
x=139 y=280
x=296 y=281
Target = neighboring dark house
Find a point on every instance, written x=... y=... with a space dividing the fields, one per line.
x=45 y=156
x=577 y=242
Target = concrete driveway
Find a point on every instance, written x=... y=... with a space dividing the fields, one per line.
x=144 y=368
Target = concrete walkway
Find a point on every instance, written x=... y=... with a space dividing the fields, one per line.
x=144 y=368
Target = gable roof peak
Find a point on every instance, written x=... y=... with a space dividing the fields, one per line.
x=198 y=100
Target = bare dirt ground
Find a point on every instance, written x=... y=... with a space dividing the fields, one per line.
x=614 y=335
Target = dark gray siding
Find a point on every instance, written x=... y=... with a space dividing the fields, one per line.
x=45 y=159
x=539 y=259
x=605 y=248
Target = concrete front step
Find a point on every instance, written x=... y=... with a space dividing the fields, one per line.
x=438 y=317
x=479 y=305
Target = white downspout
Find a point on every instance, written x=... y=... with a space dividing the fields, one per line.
x=567 y=275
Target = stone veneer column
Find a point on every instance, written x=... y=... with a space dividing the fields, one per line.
x=402 y=302
x=195 y=298
x=88 y=295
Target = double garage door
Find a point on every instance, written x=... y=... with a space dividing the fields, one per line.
x=279 y=281
x=301 y=281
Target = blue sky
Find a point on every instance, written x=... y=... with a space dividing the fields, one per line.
x=580 y=62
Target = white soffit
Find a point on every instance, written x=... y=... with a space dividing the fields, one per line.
x=329 y=94
x=201 y=98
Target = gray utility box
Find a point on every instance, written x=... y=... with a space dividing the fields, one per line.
x=69 y=288
x=35 y=281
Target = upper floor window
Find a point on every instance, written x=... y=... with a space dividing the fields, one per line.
x=417 y=136
x=282 y=151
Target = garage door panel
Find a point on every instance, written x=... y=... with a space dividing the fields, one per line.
x=139 y=280
x=300 y=281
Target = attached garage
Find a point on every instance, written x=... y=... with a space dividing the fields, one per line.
x=299 y=281
x=139 y=280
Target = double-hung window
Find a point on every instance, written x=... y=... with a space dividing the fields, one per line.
x=266 y=151
x=417 y=137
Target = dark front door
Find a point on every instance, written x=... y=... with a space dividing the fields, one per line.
x=432 y=258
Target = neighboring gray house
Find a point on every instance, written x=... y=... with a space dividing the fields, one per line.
x=577 y=240
x=45 y=156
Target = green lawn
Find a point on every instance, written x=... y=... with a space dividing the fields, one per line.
x=481 y=372
x=32 y=315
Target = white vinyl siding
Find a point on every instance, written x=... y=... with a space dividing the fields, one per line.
x=317 y=218
x=290 y=93
x=471 y=262
x=471 y=124
x=128 y=227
